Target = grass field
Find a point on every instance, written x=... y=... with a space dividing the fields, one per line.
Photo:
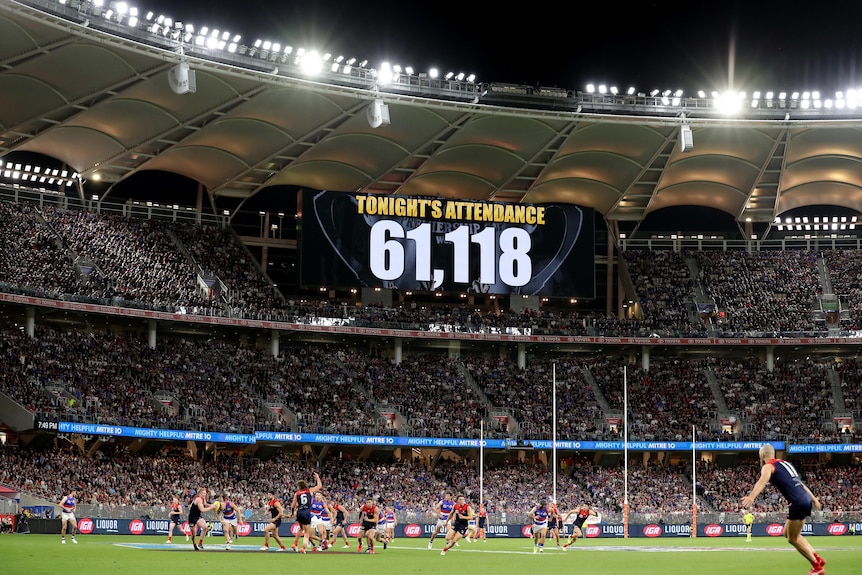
x=97 y=555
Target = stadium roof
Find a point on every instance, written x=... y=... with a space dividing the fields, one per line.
x=101 y=104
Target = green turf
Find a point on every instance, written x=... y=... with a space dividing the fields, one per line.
x=97 y=555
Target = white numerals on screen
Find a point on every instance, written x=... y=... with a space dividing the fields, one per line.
x=390 y=250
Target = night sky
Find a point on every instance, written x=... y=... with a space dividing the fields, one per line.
x=665 y=45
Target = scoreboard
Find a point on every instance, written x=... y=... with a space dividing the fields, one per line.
x=421 y=243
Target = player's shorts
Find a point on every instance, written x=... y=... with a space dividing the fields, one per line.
x=552 y=524
x=459 y=527
x=178 y=519
x=315 y=521
x=230 y=521
x=68 y=516
x=277 y=522
x=482 y=522
x=390 y=525
x=442 y=523
x=800 y=510
x=369 y=526
x=538 y=527
x=303 y=517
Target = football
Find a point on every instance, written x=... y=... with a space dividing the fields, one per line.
x=216 y=505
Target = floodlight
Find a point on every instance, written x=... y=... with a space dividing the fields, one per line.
x=449 y=75
x=133 y=21
x=590 y=89
x=460 y=76
x=653 y=93
x=433 y=73
x=311 y=63
x=471 y=78
x=613 y=90
x=630 y=91
x=384 y=75
x=701 y=94
x=409 y=71
x=396 y=68
x=122 y=8
x=602 y=89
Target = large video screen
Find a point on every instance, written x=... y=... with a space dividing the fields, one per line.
x=419 y=243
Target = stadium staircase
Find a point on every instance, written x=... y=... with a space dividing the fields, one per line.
x=837 y=393
x=384 y=414
x=723 y=412
x=250 y=257
x=699 y=296
x=209 y=283
x=496 y=414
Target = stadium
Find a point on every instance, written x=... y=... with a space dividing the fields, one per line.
x=230 y=263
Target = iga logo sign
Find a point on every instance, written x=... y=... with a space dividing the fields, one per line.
x=837 y=529
x=353 y=530
x=244 y=529
x=713 y=530
x=185 y=528
x=527 y=531
x=652 y=530
x=412 y=530
x=136 y=527
x=294 y=529
x=85 y=525
x=775 y=529
x=591 y=531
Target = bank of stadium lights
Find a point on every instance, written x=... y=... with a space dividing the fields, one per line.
x=37 y=174
x=817 y=223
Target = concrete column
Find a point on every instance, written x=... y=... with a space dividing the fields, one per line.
x=770 y=357
x=396 y=350
x=151 y=332
x=30 y=321
x=502 y=351
x=645 y=358
x=273 y=342
x=522 y=355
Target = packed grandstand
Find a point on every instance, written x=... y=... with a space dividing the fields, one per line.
x=116 y=319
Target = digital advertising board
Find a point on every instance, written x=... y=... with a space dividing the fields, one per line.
x=431 y=244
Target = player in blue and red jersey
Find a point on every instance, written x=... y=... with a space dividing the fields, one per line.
x=230 y=520
x=786 y=479
x=442 y=509
x=68 y=505
x=539 y=514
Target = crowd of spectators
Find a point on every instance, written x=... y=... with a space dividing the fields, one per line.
x=96 y=375
x=114 y=479
x=151 y=263
x=764 y=291
x=527 y=394
x=845 y=274
x=794 y=400
x=665 y=292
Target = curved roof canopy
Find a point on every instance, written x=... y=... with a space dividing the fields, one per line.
x=102 y=104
